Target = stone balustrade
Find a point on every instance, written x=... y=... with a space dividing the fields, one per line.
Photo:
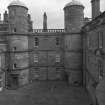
x=48 y=30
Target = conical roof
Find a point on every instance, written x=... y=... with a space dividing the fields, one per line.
x=74 y=2
x=17 y=3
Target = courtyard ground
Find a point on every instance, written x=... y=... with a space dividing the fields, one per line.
x=45 y=93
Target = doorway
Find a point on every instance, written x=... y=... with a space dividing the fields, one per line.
x=14 y=81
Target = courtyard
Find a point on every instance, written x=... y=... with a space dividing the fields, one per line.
x=45 y=93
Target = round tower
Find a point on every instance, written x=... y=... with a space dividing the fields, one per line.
x=18 y=45
x=18 y=17
x=74 y=16
x=73 y=41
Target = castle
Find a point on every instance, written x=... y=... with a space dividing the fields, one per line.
x=74 y=54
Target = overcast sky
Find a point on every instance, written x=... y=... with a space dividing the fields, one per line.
x=53 y=8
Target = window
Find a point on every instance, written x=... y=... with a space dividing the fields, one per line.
x=0 y=61
x=14 y=65
x=14 y=48
x=57 y=41
x=100 y=67
x=57 y=58
x=35 y=58
x=89 y=42
x=88 y=59
x=100 y=39
x=36 y=42
x=12 y=12
x=14 y=29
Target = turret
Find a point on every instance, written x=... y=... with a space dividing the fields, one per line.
x=19 y=62
x=74 y=16
x=18 y=17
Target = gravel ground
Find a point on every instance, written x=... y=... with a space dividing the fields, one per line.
x=45 y=93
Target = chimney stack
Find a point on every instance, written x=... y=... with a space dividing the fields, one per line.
x=44 y=22
x=5 y=16
x=95 y=8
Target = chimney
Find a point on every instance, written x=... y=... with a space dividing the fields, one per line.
x=44 y=22
x=5 y=16
x=95 y=8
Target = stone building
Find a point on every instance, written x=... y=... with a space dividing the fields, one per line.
x=42 y=54
x=93 y=52
x=74 y=54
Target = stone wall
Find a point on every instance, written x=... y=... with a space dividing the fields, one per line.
x=73 y=58
x=94 y=51
x=46 y=68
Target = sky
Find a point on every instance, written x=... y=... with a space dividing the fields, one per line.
x=53 y=8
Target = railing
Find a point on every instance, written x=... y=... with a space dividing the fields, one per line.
x=48 y=30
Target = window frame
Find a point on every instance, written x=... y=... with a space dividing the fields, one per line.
x=57 y=41
x=58 y=58
x=36 y=58
x=14 y=66
x=36 y=42
x=100 y=70
x=100 y=39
